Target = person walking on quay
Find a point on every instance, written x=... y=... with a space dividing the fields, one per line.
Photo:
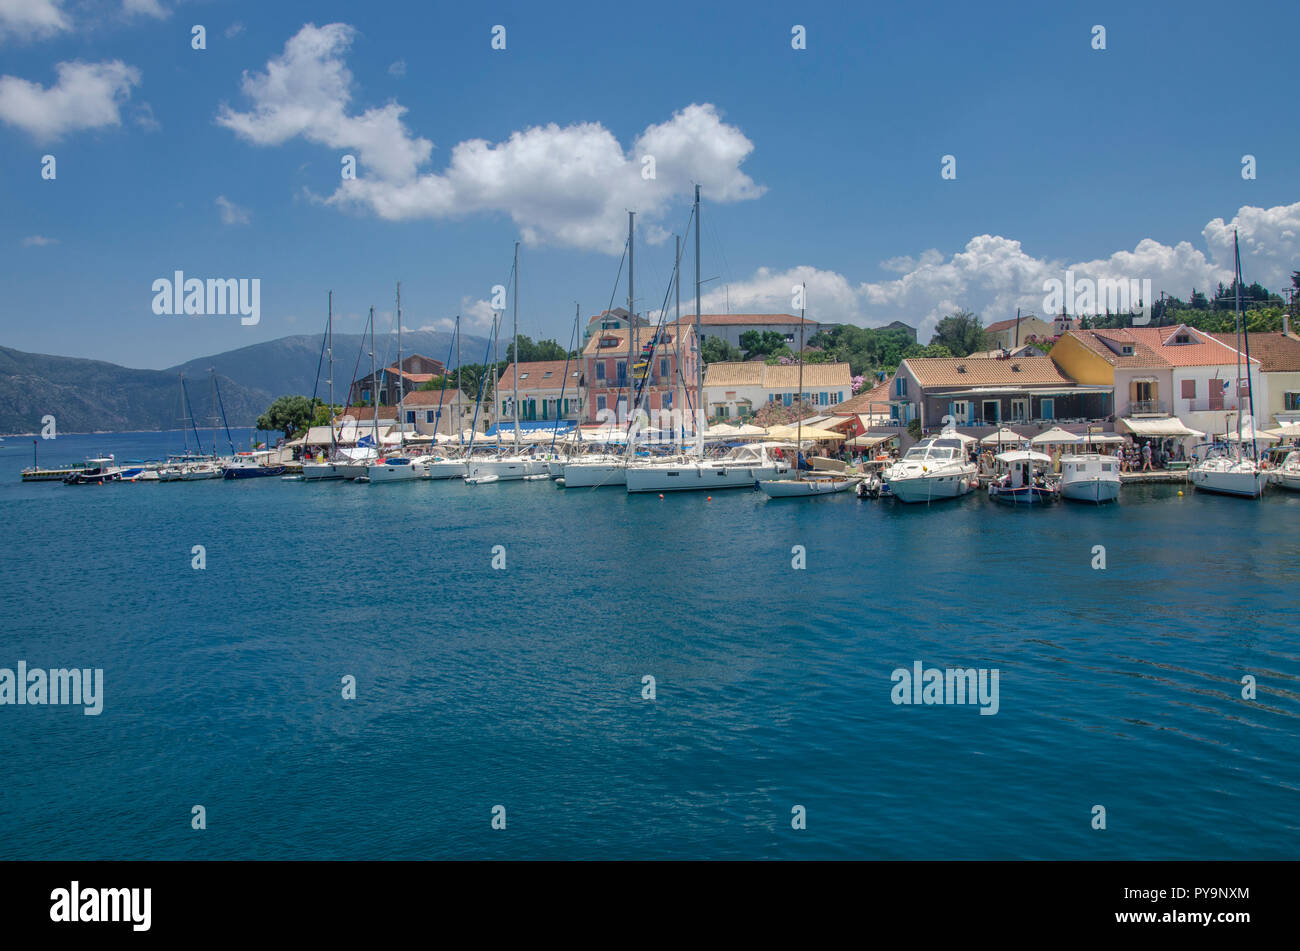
x=1146 y=457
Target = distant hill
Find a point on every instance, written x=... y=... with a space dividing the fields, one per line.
x=93 y=396
x=288 y=365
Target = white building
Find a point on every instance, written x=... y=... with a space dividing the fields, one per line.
x=738 y=390
x=729 y=327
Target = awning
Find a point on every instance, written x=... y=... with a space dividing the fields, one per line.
x=528 y=424
x=869 y=442
x=1158 y=427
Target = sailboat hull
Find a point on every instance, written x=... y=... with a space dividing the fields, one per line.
x=507 y=470
x=1244 y=484
x=806 y=488
x=700 y=478
x=319 y=471
x=593 y=475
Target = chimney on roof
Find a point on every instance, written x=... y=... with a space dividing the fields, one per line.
x=1286 y=324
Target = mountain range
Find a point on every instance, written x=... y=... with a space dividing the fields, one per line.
x=96 y=396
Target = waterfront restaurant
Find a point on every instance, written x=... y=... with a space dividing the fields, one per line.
x=979 y=392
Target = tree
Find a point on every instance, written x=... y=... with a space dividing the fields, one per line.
x=962 y=333
x=717 y=350
x=290 y=415
x=530 y=352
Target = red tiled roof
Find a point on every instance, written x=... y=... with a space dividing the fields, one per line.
x=1276 y=352
x=1204 y=352
x=533 y=374
x=1094 y=342
x=1028 y=371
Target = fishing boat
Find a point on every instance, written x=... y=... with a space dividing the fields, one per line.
x=1025 y=482
x=806 y=484
x=932 y=470
x=97 y=471
x=1224 y=470
x=252 y=465
x=1089 y=477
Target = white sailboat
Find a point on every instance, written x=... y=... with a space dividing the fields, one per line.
x=806 y=485
x=1227 y=471
x=1287 y=475
x=401 y=466
x=318 y=470
x=514 y=466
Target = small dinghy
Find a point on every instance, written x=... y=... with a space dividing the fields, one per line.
x=482 y=479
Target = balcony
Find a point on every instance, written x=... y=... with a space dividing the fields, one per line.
x=1147 y=408
x=1228 y=403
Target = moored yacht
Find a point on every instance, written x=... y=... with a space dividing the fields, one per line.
x=933 y=469
x=738 y=469
x=1288 y=474
x=1225 y=473
x=1090 y=477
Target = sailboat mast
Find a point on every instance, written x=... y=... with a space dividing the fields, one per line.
x=1245 y=336
x=699 y=349
x=212 y=371
x=460 y=413
x=401 y=377
x=330 y=336
x=799 y=438
x=631 y=314
x=677 y=316
x=514 y=398
x=374 y=403
x=1236 y=282
x=184 y=432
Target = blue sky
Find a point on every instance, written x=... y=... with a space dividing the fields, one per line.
x=819 y=165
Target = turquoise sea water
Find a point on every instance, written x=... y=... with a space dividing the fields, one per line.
x=522 y=687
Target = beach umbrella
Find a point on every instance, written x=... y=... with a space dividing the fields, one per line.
x=1056 y=436
x=1001 y=437
x=1284 y=431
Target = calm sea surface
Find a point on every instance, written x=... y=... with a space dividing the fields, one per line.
x=522 y=687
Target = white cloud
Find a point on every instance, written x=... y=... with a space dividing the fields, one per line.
x=149 y=8
x=397 y=69
x=86 y=96
x=232 y=214
x=234 y=29
x=32 y=19
x=145 y=119
x=39 y=241
x=993 y=275
x=563 y=185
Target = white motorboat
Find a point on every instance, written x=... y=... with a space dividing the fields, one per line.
x=96 y=471
x=1090 y=477
x=739 y=469
x=1223 y=473
x=1288 y=474
x=933 y=469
